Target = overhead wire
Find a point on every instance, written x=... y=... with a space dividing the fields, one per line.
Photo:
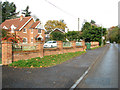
x=60 y=9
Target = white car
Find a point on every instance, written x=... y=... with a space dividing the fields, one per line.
x=50 y=44
x=108 y=42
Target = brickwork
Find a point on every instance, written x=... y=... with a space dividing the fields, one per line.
x=83 y=44
x=22 y=23
x=8 y=56
x=6 y=53
x=51 y=51
x=74 y=46
x=60 y=46
x=25 y=55
x=94 y=44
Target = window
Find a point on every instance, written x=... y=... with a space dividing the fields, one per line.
x=31 y=40
x=24 y=30
x=24 y=40
x=54 y=41
x=31 y=30
x=39 y=30
x=12 y=31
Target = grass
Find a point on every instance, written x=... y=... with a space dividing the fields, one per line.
x=95 y=47
x=46 y=61
x=0 y=56
x=0 y=60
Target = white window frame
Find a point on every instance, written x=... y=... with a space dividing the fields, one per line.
x=12 y=30
x=31 y=40
x=41 y=31
x=5 y=27
x=32 y=30
x=26 y=40
x=23 y=30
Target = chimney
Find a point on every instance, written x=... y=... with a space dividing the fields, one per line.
x=21 y=17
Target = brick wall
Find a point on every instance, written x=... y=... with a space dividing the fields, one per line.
x=94 y=44
x=22 y=55
x=8 y=55
x=6 y=52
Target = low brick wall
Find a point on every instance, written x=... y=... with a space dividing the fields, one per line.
x=94 y=44
x=51 y=51
x=23 y=55
x=11 y=56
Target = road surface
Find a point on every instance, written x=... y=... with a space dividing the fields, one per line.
x=59 y=76
x=104 y=74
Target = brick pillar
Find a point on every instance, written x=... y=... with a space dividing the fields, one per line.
x=6 y=53
x=92 y=44
x=83 y=44
x=97 y=43
x=60 y=46
x=74 y=45
x=40 y=47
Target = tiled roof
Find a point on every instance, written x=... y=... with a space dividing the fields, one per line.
x=61 y=30
x=35 y=24
x=16 y=22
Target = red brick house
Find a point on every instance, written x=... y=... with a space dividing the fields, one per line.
x=25 y=27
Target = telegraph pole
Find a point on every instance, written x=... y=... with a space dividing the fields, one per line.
x=78 y=24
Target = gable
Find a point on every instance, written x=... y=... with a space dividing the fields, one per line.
x=5 y=27
x=19 y=24
x=57 y=30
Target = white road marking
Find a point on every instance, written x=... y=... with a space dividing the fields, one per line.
x=80 y=79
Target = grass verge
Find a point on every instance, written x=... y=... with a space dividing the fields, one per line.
x=46 y=61
x=95 y=48
x=0 y=60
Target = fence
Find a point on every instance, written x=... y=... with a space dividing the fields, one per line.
x=78 y=43
x=67 y=44
x=24 y=47
x=14 y=52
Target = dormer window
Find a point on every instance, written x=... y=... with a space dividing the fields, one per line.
x=24 y=30
x=5 y=27
x=12 y=28
x=12 y=31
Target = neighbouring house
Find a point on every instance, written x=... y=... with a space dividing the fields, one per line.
x=47 y=35
x=29 y=30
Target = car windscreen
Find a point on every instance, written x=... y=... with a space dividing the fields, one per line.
x=49 y=42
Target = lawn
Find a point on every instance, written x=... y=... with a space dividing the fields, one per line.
x=46 y=61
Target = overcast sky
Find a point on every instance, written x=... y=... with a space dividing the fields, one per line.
x=103 y=12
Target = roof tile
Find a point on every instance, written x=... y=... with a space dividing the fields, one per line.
x=16 y=22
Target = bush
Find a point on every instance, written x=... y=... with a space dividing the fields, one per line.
x=58 y=36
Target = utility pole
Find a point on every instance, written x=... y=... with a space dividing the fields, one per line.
x=78 y=24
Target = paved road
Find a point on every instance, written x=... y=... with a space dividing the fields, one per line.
x=60 y=76
x=104 y=73
x=0 y=77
